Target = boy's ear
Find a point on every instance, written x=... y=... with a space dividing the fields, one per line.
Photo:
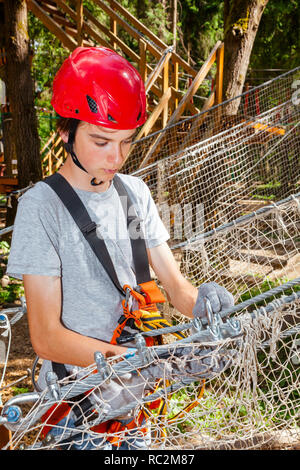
x=64 y=136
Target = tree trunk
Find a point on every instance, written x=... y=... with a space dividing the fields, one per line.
x=19 y=86
x=141 y=8
x=174 y=15
x=241 y=21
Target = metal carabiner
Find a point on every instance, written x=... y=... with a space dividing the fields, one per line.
x=214 y=321
x=127 y=297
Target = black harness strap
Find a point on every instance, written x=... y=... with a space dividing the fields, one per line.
x=86 y=225
x=139 y=251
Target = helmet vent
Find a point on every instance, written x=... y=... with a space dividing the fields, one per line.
x=139 y=116
x=110 y=118
x=92 y=104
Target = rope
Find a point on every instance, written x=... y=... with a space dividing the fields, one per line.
x=202 y=337
x=44 y=401
x=239 y=221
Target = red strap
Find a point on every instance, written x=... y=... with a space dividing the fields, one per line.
x=55 y=414
x=152 y=292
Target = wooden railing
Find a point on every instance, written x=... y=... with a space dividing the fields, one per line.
x=216 y=56
x=75 y=25
x=53 y=155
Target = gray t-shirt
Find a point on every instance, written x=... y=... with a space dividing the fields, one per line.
x=47 y=241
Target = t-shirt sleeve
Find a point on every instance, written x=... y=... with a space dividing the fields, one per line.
x=34 y=245
x=154 y=228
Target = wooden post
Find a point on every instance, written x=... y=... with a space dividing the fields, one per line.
x=143 y=60
x=165 y=86
x=113 y=25
x=175 y=81
x=53 y=27
x=79 y=14
x=157 y=70
x=219 y=75
x=155 y=114
x=219 y=84
x=183 y=103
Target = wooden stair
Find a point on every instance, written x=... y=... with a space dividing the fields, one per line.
x=160 y=67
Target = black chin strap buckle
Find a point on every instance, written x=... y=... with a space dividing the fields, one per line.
x=93 y=182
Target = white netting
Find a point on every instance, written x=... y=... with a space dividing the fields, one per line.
x=253 y=402
x=231 y=201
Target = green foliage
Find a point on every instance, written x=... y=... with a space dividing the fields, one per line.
x=19 y=390
x=278 y=38
x=48 y=55
x=214 y=415
x=15 y=289
x=4 y=247
x=199 y=26
x=265 y=286
x=11 y=293
x=201 y=23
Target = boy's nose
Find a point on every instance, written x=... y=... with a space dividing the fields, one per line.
x=116 y=156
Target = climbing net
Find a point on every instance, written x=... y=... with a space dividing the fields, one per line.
x=243 y=393
x=231 y=202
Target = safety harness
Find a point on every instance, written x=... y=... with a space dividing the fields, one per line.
x=146 y=295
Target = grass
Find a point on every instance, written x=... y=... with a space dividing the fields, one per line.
x=265 y=286
x=214 y=414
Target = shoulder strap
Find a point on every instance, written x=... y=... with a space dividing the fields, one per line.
x=139 y=252
x=88 y=228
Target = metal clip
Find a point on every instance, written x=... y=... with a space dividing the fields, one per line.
x=127 y=296
x=102 y=366
x=53 y=386
x=214 y=322
x=197 y=325
x=142 y=348
x=235 y=328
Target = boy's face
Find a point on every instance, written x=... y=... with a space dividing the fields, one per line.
x=101 y=151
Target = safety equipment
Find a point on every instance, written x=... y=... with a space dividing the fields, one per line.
x=97 y=85
x=219 y=298
x=146 y=317
x=146 y=293
x=110 y=428
x=201 y=362
x=161 y=411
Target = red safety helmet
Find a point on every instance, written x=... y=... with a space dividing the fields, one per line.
x=97 y=85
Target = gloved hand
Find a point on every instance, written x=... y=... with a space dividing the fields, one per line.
x=204 y=363
x=218 y=296
x=193 y=361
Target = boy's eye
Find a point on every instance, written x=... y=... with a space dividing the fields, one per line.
x=102 y=144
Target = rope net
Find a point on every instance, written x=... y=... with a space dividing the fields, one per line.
x=231 y=202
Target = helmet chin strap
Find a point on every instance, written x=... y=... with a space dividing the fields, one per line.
x=69 y=149
x=93 y=182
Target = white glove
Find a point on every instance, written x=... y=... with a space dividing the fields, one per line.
x=218 y=296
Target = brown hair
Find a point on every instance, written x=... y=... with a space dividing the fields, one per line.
x=65 y=124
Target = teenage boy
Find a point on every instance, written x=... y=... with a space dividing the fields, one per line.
x=73 y=307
